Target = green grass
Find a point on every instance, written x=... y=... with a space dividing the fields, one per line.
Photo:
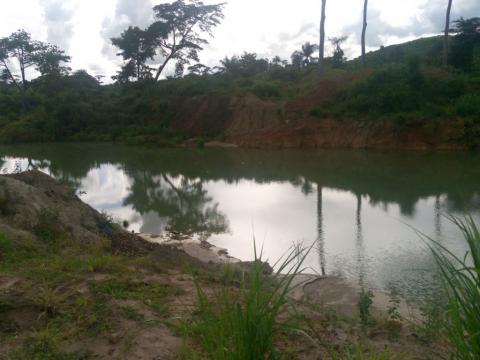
x=241 y=322
x=461 y=277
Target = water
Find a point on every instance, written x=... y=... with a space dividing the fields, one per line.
x=358 y=207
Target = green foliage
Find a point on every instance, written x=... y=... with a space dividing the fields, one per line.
x=404 y=93
x=461 y=276
x=47 y=227
x=465 y=43
x=105 y=222
x=364 y=303
x=43 y=345
x=124 y=289
x=6 y=201
x=240 y=323
x=266 y=90
x=179 y=30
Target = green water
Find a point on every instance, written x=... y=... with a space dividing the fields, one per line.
x=358 y=207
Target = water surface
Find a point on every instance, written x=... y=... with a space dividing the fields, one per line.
x=358 y=207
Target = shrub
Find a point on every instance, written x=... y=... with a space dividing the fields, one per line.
x=47 y=228
x=266 y=90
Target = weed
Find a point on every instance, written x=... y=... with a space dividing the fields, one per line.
x=105 y=223
x=394 y=305
x=364 y=303
x=131 y=313
x=42 y=345
x=47 y=228
x=358 y=353
x=239 y=323
x=150 y=294
x=6 y=200
x=461 y=277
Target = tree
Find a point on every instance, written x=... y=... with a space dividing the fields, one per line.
x=297 y=59
x=179 y=27
x=277 y=62
x=199 y=69
x=307 y=52
x=467 y=38
x=364 y=30
x=321 y=48
x=137 y=47
x=246 y=65
x=447 y=32
x=338 y=58
x=21 y=50
x=50 y=61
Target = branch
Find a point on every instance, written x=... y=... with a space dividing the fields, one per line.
x=10 y=74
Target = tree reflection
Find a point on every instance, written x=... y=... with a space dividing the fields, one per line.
x=359 y=243
x=320 y=230
x=182 y=201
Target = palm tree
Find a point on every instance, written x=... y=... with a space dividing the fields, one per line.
x=307 y=52
x=321 y=48
x=447 y=31
x=364 y=30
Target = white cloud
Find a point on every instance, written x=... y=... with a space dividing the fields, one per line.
x=58 y=16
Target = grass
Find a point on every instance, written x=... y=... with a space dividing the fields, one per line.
x=240 y=323
x=461 y=277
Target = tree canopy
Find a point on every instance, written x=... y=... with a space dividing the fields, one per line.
x=180 y=29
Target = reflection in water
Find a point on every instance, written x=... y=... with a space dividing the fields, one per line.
x=221 y=193
x=438 y=217
x=360 y=247
x=320 y=237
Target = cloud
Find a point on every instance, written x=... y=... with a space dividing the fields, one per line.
x=429 y=20
x=58 y=16
x=127 y=13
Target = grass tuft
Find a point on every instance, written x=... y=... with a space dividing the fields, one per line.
x=241 y=322
x=461 y=277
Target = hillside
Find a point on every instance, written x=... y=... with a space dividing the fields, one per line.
x=402 y=100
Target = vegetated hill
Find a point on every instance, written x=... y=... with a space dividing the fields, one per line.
x=427 y=50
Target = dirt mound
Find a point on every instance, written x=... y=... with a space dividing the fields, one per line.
x=34 y=205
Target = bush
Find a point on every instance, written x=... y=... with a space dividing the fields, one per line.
x=468 y=106
x=266 y=90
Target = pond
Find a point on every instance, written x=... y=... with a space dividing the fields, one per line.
x=360 y=209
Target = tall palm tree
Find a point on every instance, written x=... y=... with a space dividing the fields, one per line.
x=447 y=31
x=321 y=47
x=364 y=30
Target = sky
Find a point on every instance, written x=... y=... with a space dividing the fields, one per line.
x=83 y=28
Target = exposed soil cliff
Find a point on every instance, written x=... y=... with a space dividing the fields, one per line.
x=249 y=121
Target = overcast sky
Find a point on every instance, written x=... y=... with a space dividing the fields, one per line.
x=268 y=27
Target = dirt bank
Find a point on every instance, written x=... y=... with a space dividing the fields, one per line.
x=249 y=121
